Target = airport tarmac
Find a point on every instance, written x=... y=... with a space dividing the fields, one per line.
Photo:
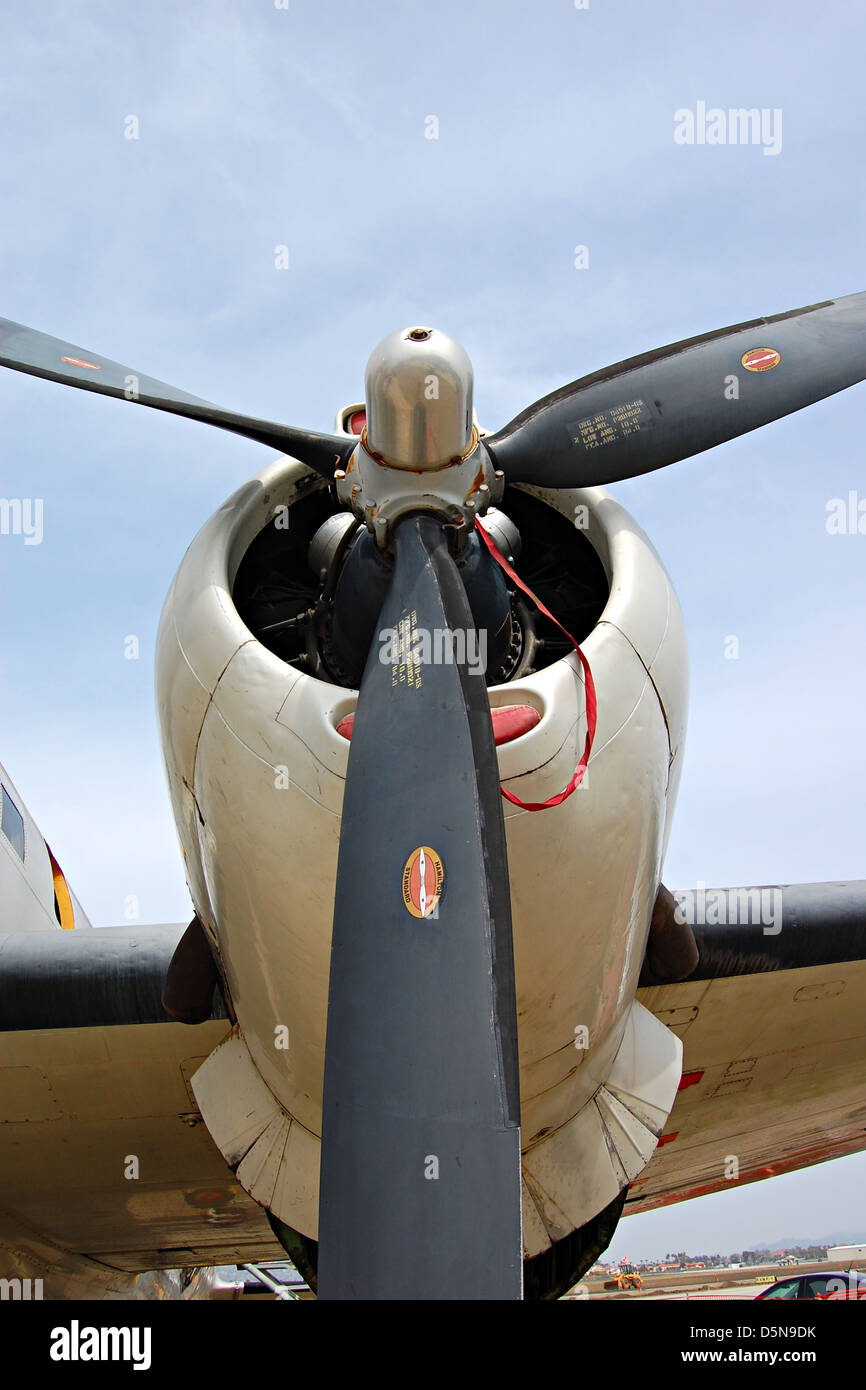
x=706 y=1284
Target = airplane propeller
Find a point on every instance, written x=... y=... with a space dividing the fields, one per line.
x=420 y=1178
x=667 y=405
x=25 y=350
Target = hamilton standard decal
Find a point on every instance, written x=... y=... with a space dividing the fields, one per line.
x=761 y=359
x=423 y=880
x=80 y=362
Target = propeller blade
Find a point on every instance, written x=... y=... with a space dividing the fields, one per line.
x=666 y=405
x=420 y=1178
x=25 y=350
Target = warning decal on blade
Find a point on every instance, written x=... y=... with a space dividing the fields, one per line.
x=760 y=359
x=423 y=879
x=80 y=362
x=610 y=426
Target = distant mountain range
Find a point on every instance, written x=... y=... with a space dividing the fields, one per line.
x=835 y=1238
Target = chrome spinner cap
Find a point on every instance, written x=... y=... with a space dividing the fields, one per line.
x=418 y=385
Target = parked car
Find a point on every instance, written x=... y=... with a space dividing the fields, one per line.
x=835 y=1283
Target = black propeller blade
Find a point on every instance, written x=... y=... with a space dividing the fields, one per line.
x=420 y=1178
x=25 y=350
x=666 y=405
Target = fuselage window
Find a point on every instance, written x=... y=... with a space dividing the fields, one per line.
x=12 y=824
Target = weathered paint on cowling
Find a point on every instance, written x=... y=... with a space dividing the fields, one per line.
x=256 y=772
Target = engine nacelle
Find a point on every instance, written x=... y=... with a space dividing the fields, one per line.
x=256 y=770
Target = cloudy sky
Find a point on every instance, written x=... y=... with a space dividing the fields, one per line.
x=157 y=156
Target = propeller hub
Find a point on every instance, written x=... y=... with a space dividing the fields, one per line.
x=379 y=494
x=420 y=450
x=418 y=386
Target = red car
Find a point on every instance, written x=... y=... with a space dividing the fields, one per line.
x=832 y=1284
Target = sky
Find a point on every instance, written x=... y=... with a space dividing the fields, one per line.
x=435 y=164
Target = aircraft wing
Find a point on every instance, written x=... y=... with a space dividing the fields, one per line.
x=107 y=1169
x=105 y=1165
x=773 y=1026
